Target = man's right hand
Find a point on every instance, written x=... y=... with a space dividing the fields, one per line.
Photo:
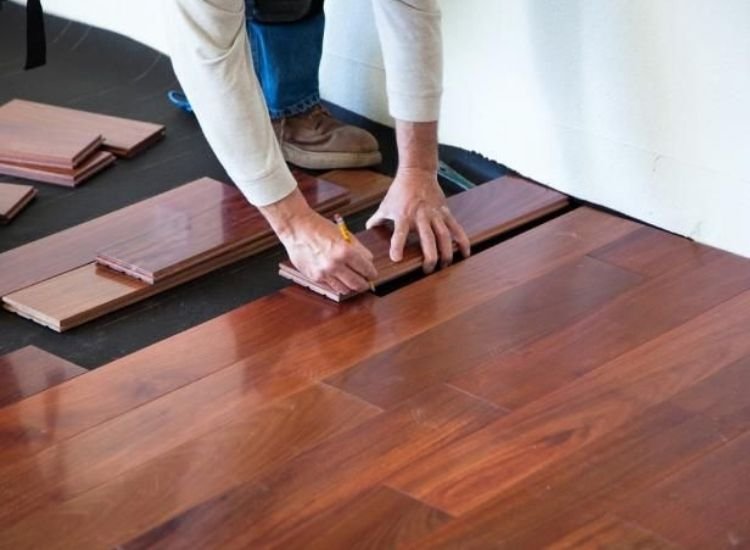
x=317 y=248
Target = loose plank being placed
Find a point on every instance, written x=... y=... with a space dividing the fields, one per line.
x=485 y=211
x=199 y=232
x=123 y=137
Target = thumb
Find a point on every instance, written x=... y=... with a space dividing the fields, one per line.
x=376 y=219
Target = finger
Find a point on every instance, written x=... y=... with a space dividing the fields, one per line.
x=459 y=235
x=444 y=240
x=361 y=264
x=398 y=240
x=378 y=218
x=354 y=281
x=362 y=249
x=427 y=241
x=336 y=285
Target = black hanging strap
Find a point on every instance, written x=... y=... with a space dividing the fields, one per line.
x=36 y=42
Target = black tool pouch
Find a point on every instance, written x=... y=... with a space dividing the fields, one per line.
x=282 y=11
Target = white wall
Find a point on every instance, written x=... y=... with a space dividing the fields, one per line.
x=640 y=105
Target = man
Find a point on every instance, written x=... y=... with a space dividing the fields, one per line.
x=212 y=61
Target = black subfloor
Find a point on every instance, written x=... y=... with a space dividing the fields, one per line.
x=101 y=71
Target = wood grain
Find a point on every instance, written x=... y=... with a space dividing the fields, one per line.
x=561 y=423
x=485 y=211
x=325 y=339
x=611 y=532
x=87 y=169
x=45 y=145
x=123 y=137
x=13 y=198
x=31 y=370
x=522 y=375
x=523 y=314
x=199 y=232
x=366 y=188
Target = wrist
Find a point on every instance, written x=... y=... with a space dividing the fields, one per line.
x=285 y=215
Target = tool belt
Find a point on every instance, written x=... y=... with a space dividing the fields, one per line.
x=282 y=11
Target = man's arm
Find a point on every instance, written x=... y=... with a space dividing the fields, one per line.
x=210 y=55
x=411 y=41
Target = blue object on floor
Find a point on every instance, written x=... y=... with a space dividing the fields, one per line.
x=180 y=100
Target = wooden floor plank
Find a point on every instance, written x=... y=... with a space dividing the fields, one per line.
x=614 y=533
x=325 y=339
x=653 y=252
x=485 y=211
x=122 y=136
x=290 y=495
x=366 y=188
x=244 y=444
x=525 y=313
x=88 y=168
x=199 y=232
x=31 y=370
x=547 y=430
x=633 y=318
x=704 y=505
x=13 y=198
x=380 y=518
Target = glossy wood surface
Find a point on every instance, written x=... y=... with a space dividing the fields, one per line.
x=294 y=421
x=13 y=198
x=366 y=188
x=200 y=231
x=30 y=370
x=123 y=137
x=486 y=211
x=91 y=166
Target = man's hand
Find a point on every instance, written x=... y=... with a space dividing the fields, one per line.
x=415 y=201
x=316 y=247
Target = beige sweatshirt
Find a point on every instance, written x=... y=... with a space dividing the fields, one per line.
x=211 y=57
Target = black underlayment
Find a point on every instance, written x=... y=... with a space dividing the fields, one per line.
x=101 y=71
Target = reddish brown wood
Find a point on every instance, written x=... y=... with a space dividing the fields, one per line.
x=181 y=238
x=523 y=314
x=13 y=198
x=366 y=188
x=522 y=375
x=123 y=137
x=31 y=370
x=91 y=166
x=485 y=211
x=324 y=339
x=611 y=532
x=45 y=145
x=549 y=429
x=231 y=427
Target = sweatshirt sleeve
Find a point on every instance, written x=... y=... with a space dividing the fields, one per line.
x=411 y=41
x=210 y=55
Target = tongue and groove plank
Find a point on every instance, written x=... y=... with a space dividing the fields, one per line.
x=204 y=231
x=94 y=164
x=72 y=248
x=122 y=136
x=486 y=211
x=471 y=472
x=325 y=339
x=31 y=370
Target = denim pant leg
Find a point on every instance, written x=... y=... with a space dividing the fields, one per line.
x=287 y=59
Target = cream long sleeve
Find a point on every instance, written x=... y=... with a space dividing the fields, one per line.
x=210 y=55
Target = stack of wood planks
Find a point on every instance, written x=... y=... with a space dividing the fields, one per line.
x=133 y=253
x=486 y=211
x=66 y=146
x=13 y=198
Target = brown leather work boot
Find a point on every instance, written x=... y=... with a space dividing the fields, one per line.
x=317 y=141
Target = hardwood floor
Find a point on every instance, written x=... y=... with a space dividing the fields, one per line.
x=581 y=385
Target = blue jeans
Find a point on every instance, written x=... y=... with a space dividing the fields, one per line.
x=287 y=59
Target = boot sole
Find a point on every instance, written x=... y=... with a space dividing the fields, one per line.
x=327 y=160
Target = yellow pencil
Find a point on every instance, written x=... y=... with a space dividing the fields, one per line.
x=347 y=235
